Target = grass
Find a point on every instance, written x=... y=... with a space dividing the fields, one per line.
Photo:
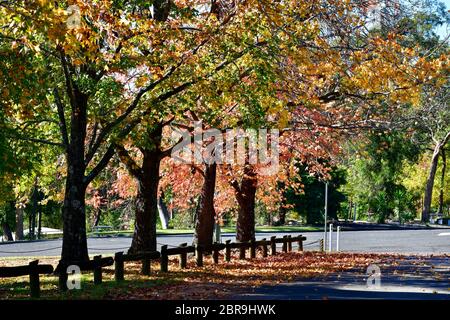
x=18 y=288
x=288 y=229
x=230 y=229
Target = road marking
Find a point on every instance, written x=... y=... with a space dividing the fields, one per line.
x=444 y=234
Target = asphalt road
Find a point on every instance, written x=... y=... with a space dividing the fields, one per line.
x=435 y=241
x=426 y=278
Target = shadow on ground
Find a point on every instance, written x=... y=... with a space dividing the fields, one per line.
x=424 y=278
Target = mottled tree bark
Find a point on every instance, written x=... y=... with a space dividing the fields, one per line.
x=74 y=246
x=204 y=225
x=144 y=237
x=246 y=197
x=147 y=177
x=74 y=216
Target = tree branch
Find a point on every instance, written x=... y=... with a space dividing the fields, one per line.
x=126 y=159
x=100 y=166
x=43 y=141
x=62 y=119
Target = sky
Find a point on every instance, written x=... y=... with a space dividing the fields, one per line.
x=445 y=29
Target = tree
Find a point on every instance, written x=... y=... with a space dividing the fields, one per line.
x=417 y=26
x=91 y=78
x=208 y=50
x=309 y=203
x=205 y=212
x=147 y=176
x=375 y=169
x=6 y=173
x=94 y=78
x=442 y=182
x=433 y=121
x=23 y=166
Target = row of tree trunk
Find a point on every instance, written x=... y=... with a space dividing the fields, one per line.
x=148 y=205
x=439 y=151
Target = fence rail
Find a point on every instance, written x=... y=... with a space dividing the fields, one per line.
x=120 y=258
x=94 y=265
x=99 y=262
x=33 y=270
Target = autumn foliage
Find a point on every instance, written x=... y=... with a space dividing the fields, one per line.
x=102 y=81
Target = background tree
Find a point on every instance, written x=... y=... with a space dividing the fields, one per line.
x=79 y=74
x=433 y=121
x=375 y=172
x=310 y=202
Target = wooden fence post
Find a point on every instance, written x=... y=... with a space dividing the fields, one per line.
x=252 y=249
x=216 y=255
x=300 y=243
x=164 y=259
x=264 y=248
x=242 y=252
x=146 y=266
x=284 y=243
x=228 y=250
x=199 y=254
x=118 y=266
x=62 y=277
x=273 y=245
x=289 y=243
x=183 y=257
x=34 y=279
x=97 y=270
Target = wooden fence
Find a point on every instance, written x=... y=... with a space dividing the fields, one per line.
x=120 y=258
x=96 y=265
x=33 y=270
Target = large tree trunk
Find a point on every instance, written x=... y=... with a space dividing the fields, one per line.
x=442 y=186
x=74 y=216
x=246 y=197
x=144 y=237
x=7 y=231
x=147 y=176
x=74 y=247
x=204 y=224
x=98 y=215
x=428 y=196
x=282 y=215
x=19 y=223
